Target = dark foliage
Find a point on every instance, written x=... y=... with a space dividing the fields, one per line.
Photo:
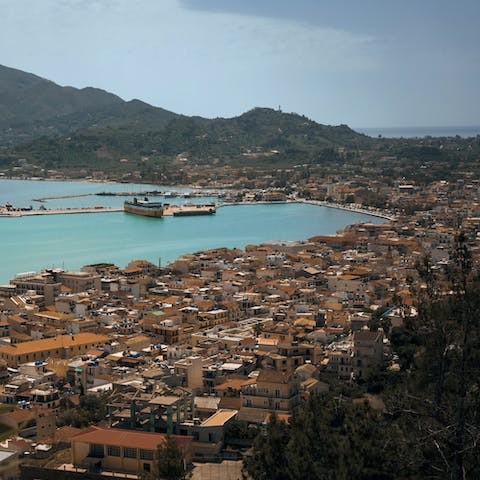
x=430 y=428
x=92 y=409
x=169 y=462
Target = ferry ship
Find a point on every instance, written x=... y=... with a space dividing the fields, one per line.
x=144 y=207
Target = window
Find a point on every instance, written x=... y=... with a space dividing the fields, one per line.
x=113 y=451
x=146 y=454
x=146 y=467
x=96 y=450
x=129 y=452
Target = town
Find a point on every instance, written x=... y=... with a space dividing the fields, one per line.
x=99 y=366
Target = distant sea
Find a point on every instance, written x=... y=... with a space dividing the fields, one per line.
x=411 y=132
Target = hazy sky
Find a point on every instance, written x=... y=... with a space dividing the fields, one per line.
x=360 y=62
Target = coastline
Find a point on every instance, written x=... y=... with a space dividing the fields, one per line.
x=274 y=226
x=72 y=210
x=355 y=209
x=365 y=211
x=373 y=212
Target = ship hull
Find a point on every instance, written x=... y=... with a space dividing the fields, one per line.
x=145 y=211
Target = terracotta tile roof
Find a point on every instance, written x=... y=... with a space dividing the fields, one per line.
x=141 y=263
x=366 y=336
x=348 y=277
x=20 y=416
x=61 y=341
x=128 y=438
x=273 y=376
x=234 y=383
x=267 y=341
x=54 y=315
x=65 y=433
x=20 y=337
x=232 y=403
x=132 y=270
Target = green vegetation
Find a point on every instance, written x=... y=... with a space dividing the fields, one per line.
x=241 y=430
x=169 y=463
x=5 y=408
x=48 y=130
x=256 y=137
x=328 y=438
x=5 y=432
x=31 y=107
x=430 y=426
x=92 y=409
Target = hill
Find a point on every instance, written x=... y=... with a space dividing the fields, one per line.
x=31 y=107
x=47 y=129
x=260 y=136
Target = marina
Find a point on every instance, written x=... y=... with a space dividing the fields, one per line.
x=178 y=210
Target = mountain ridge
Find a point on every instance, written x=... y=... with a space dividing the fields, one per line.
x=85 y=130
x=31 y=107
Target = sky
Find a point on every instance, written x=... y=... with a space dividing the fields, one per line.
x=368 y=63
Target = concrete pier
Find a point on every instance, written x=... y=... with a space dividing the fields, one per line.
x=56 y=211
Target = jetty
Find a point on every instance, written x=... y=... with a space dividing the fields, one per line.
x=56 y=211
x=144 y=193
x=178 y=210
x=173 y=210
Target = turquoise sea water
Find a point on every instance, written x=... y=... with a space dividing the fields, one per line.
x=22 y=193
x=70 y=241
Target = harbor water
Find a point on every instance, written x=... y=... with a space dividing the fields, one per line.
x=71 y=241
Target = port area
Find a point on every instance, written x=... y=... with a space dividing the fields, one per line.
x=25 y=212
x=168 y=210
x=188 y=209
x=143 y=193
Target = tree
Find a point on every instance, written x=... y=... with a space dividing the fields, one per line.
x=439 y=407
x=378 y=320
x=92 y=409
x=329 y=438
x=267 y=461
x=431 y=425
x=170 y=462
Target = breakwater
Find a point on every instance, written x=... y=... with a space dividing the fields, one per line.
x=56 y=211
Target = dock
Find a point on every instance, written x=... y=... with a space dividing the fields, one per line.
x=173 y=210
x=56 y=211
x=143 y=193
x=187 y=210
